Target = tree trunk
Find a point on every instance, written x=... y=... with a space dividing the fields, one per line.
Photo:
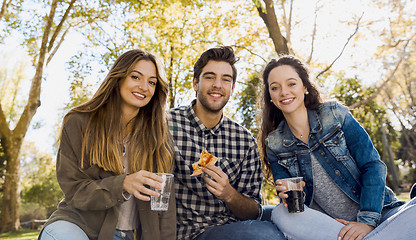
x=392 y=171
x=11 y=195
x=269 y=17
x=172 y=85
x=13 y=139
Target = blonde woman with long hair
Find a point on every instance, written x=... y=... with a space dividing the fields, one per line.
x=110 y=149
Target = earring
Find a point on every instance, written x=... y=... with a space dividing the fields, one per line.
x=271 y=100
x=306 y=93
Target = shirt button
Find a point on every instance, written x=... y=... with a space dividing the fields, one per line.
x=353 y=191
x=337 y=172
x=322 y=154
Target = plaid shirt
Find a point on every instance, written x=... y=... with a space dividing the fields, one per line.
x=238 y=157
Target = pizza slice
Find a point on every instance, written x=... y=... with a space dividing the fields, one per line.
x=206 y=158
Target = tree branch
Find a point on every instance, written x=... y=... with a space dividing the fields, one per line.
x=34 y=94
x=4 y=7
x=59 y=27
x=4 y=127
x=57 y=46
x=269 y=17
x=380 y=88
x=308 y=61
x=394 y=108
x=342 y=51
x=248 y=50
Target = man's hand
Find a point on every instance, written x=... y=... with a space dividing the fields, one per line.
x=219 y=184
x=353 y=230
x=241 y=206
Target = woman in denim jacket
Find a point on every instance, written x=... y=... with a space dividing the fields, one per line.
x=345 y=187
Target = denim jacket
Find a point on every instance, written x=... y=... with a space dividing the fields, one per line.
x=344 y=150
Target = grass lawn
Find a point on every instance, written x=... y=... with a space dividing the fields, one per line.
x=405 y=196
x=23 y=234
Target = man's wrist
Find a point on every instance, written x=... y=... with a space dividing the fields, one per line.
x=231 y=196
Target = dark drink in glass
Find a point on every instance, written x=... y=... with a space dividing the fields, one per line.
x=295 y=201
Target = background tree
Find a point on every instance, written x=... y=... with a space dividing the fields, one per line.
x=11 y=78
x=267 y=13
x=39 y=185
x=247 y=106
x=22 y=19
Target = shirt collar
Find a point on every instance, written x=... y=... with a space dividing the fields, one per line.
x=197 y=123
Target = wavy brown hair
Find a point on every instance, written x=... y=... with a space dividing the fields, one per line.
x=219 y=54
x=271 y=115
x=150 y=144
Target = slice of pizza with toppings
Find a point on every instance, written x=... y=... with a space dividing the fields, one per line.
x=206 y=158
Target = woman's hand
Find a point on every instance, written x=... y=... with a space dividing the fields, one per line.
x=281 y=188
x=135 y=184
x=353 y=230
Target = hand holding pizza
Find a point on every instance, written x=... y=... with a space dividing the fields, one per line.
x=219 y=185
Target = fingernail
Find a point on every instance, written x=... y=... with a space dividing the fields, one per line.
x=283 y=188
x=339 y=238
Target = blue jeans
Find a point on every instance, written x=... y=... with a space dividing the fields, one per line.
x=243 y=230
x=396 y=223
x=64 y=230
x=267 y=212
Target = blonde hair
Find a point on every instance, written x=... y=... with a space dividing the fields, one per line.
x=150 y=144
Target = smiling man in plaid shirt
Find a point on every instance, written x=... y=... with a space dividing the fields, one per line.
x=224 y=201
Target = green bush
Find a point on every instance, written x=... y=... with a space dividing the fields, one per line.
x=30 y=211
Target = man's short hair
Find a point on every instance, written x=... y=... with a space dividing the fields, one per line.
x=220 y=54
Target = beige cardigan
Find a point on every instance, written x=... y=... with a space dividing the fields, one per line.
x=93 y=196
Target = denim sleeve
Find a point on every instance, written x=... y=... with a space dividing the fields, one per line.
x=373 y=170
x=278 y=171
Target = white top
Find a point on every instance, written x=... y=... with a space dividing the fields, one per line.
x=128 y=216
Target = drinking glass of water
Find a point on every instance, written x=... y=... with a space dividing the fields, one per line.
x=161 y=203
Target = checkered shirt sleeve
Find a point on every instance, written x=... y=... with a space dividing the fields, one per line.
x=238 y=157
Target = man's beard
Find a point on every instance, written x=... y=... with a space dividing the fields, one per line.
x=206 y=104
